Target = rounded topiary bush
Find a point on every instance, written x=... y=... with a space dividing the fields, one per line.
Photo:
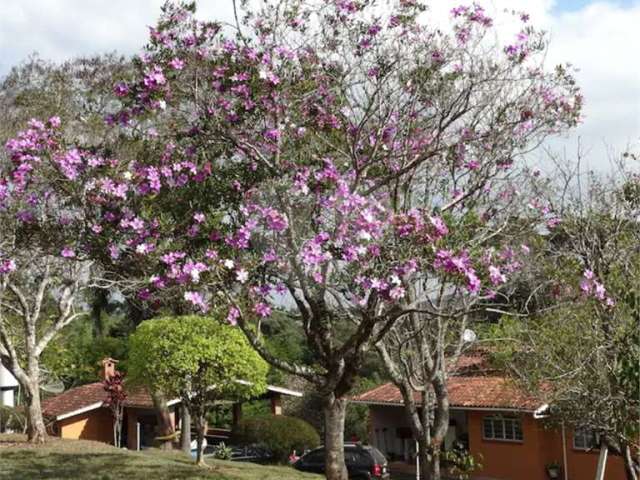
x=280 y=434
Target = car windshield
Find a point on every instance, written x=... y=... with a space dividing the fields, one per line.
x=378 y=456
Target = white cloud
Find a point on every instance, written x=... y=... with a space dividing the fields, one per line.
x=599 y=39
x=61 y=29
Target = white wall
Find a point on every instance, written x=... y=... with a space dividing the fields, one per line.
x=385 y=420
x=7 y=397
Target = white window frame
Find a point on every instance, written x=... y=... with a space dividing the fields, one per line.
x=586 y=433
x=505 y=420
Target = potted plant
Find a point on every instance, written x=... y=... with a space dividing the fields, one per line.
x=553 y=470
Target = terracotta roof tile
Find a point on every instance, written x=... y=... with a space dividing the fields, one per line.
x=86 y=395
x=464 y=392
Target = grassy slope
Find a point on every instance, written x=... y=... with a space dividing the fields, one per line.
x=80 y=459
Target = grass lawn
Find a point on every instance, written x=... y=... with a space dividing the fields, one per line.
x=81 y=459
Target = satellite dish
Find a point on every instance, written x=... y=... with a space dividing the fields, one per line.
x=55 y=386
x=469 y=336
x=50 y=383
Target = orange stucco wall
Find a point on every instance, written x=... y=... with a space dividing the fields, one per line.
x=581 y=464
x=94 y=425
x=507 y=460
x=527 y=460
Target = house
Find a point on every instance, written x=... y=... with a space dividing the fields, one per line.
x=8 y=387
x=495 y=421
x=79 y=413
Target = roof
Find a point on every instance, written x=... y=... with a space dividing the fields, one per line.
x=465 y=392
x=89 y=397
x=92 y=396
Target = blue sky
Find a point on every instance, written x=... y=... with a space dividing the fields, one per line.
x=574 y=5
x=598 y=37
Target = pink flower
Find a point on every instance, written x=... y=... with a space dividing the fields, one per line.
x=197 y=300
x=121 y=89
x=7 y=266
x=176 y=64
x=67 y=252
x=270 y=256
x=473 y=282
x=496 y=276
x=275 y=220
x=439 y=226
x=272 y=134
x=396 y=293
x=262 y=309
x=233 y=316
x=114 y=251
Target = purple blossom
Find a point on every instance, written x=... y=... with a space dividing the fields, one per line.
x=262 y=309
x=196 y=299
x=496 y=276
x=233 y=316
x=272 y=134
x=67 y=252
x=194 y=270
x=7 y=266
x=396 y=293
x=176 y=64
x=114 y=251
x=121 y=89
x=154 y=78
x=172 y=257
x=276 y=221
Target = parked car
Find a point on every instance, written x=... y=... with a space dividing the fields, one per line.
x=363 y=462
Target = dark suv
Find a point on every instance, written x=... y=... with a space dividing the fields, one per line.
x=363 y=462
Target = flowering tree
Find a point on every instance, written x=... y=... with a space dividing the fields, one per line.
x=319 y=157
x=585 y=347
x=116 y=396
x=329 y=143
x=421 y=350
x=44 y=267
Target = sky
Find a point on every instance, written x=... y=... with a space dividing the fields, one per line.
x=598 y=37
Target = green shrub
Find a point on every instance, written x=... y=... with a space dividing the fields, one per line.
x=12 y=418
x=278 y=433
x=222 y=452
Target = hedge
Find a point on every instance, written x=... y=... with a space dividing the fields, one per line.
x=278 y=433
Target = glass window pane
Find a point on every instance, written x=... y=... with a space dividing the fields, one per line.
x=509 y=427
x=487 y=427
x=498 y=428
x=517 y=429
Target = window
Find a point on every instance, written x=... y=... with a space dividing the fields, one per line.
x=585 y=439
x=314 y=457
x=502 y=427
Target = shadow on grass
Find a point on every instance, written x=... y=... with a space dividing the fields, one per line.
x=32 y=465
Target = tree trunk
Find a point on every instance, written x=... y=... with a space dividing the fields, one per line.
x=440 y=425
x=165 y=425
x=185 y=433
x=201 y=428
x=36 y=431
x=424 y=458
x=334 y=415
